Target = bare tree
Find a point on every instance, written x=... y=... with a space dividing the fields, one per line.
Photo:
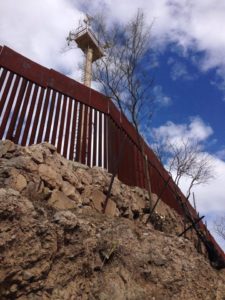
x=186 y=159
x=219 y=226
x=124 y=72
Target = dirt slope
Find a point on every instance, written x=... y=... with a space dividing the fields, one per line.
x=56 y=244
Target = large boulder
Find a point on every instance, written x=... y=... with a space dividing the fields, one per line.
x=50 y=176
x=60 y=201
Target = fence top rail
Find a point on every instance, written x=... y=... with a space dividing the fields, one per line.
x=23 y=66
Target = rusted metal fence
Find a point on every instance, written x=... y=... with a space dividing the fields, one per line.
x=39 y=104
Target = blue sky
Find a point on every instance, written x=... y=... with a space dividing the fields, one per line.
x=191 y=93
x=188 y=45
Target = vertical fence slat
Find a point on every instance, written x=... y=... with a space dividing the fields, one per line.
x=72 y=141
x=79 y=133
x=131 y=162
x=140 y=158
x=66 y=140
x=110 y=150
x=23 y=87
x=49 y=122
x=126 y=158
x=121 y=154
x=89 y=138
x=23 y=112
x=2 y=79
x=60 y=137
x=135 y=166
x=112 y=138
x=37 y=116
x=95 y=139
x=116 y=161
x=29 y=117
x=105 y=142
x=6 y=91
x=43 y=116
x=84 y=138
x=9 y=106
x=100 y=141
x=133 y=179
x=139 y=168
x=56 y=120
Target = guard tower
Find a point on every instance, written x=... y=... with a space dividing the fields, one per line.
x=88 y=43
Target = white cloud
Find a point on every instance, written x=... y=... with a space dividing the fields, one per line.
x=37 y=29
x=219 y=81
x=190 y=25
x=196 y=130
x=180 y=71
x=210 y=197
x=211 y=219
x=160 y=97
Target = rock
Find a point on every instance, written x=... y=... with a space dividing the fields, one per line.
x=49 y=146
x=86 y=201
x=36 y=155
x=16 y=180
x=111 y=209
x=158 y=259
x=137 y=203
x=13 y=288
x=50 y=176
x=35 y=189
x=21 y=162
x=99 y=176
x=126 y=212
x=6 y=146
x=27 y=275
x=116 y=188
x=20 y=182
x=97 y=198
x=84 y=177
x=66 y=219
x=13 y=205
x=69 y=175
x=68 y=189
x=76 y=165
x=76 y=198
x=45 y=193
x=86 y=194
x=60 y=201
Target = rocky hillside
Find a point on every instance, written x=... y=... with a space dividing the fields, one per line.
x=55 y=242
